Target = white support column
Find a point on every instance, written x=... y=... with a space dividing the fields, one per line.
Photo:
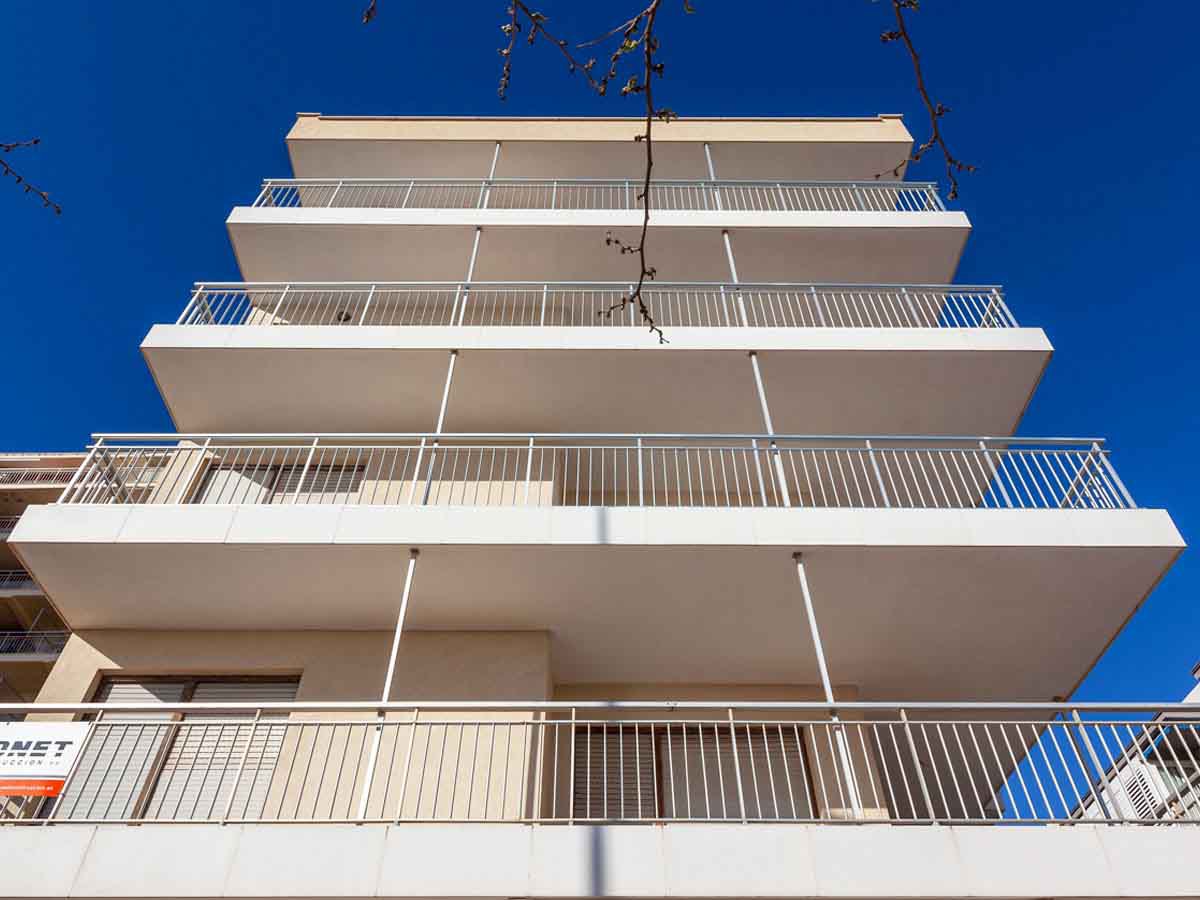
x=388 y=680
x=843 y=748
x=785 y=498
x=441 y=424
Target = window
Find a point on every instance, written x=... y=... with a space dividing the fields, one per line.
x=173 y=766
x=685 y=771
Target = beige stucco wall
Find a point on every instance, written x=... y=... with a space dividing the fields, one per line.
x=332 y=665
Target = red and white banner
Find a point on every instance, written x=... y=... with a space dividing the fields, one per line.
x=36 y=757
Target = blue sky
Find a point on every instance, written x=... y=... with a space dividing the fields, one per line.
x=157 y=118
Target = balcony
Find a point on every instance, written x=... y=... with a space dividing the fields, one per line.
x=40 y=646
x=343 y=146
x=35 y=478
x=18 y=583
x=379 y=229
x=7 y=524
x=774 y=798
x=557 y=357
x=627 y=549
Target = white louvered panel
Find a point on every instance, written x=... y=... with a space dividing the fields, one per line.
x=121 y=754
x=701 y=773
x=1139 y=790
x=327 y=483
x=201 y=770
x=614 y=772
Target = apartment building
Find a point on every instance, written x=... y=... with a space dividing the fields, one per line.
x=454 y=580
x=31 y=632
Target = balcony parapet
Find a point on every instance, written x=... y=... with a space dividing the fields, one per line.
x=600 y=194
x=597 y=305
x=17 y=581
x=601 y=470
x=37 y=478
x=38 y=643
x=611 y=762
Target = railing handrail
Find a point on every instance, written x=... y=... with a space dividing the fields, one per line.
x=773 y=182
x=623 y=285
x=361 y=706
x=258 y=437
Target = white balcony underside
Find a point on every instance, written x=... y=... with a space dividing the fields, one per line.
x=912 y=603
x=322 y=244
x=719 y=861
x=390 y=379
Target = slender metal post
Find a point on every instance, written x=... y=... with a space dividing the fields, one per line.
x=987 y=455
x=389 y=678
x=528 y=471
x=191 y=304
x=1100 y=770
x=912 y=310
x=542 y=317
x=827 y=687
x=84 y=466
x=485 y=189
x=334 y=194
x=237 y=779
x=1112 y=473
x=712 y=177
x=464 y=289
x=780 y=474
x=279 y=304
x=912 y=748
x=362 y=320
x=641 y=478
x=441 y=421
x=737 y=768
x=816 y=298
x=733 y=274
x=878 y=475
x=304 y=471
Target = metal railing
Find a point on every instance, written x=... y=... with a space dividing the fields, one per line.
x=16 y=580
x=558 y=304
x=39 y=642
x=601 y=470
x=8 y=523
x=35 y=477
x=600 y=193
x=624 y=762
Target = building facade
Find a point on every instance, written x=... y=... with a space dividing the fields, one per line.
x=454 y=580
x=31 y=632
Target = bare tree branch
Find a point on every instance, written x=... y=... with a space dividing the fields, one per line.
x=634 y=33
x=8 y=171
x=936 y=110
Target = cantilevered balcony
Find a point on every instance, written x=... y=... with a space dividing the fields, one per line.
x=18 y=583
x=35 y=477
x=376 y=229
x=902 y=359
x=625 y=762
x=649 y=558
x=43 y=646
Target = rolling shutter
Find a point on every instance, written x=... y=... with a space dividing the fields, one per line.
x=174 y=767
x=200 y=773
x=121 y=754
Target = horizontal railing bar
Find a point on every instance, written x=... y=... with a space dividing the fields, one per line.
x=616 y=285
x=883 y=186
x=525 y=436
x=568 y=705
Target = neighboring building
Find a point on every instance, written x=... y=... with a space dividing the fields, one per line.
x=1157 y=776
x=31 y=632
x=455 y=581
